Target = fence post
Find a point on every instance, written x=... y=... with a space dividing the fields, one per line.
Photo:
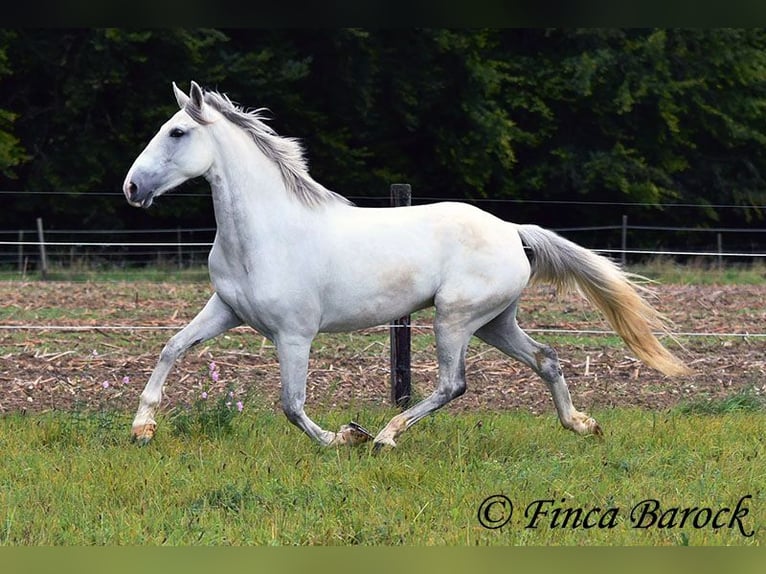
x=180 y=250
x=43 y=256
x=719 y=241
x=21 y=251
x=401 y=376
x=623 y=257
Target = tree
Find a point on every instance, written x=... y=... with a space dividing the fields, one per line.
x=615 y=115
x=641 y=115
x=11 y=151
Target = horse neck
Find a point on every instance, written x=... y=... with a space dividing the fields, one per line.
x=249 y=192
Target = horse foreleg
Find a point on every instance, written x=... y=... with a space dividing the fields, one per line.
x=504 y=333
x=215 y=318
x=293 y=355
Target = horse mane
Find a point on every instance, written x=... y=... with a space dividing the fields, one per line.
x=285 y=152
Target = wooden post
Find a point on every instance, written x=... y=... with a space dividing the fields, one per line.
x=401 y=375
x=623 y=258
x=21 y=251
x=43 y=256
x=719 y=239
x=180 y=251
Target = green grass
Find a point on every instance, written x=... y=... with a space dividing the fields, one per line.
x=83 y=273
x=74 y=479
x=216 y=477
x=744 y=401
x=701 y=272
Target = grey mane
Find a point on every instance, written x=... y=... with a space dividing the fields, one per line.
x=285 y=152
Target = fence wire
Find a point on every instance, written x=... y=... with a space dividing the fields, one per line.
x=413 y=326
x=23 y=248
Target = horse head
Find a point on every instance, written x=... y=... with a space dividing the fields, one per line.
x=181 y=150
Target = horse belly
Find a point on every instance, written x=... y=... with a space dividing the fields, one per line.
x=367 y=298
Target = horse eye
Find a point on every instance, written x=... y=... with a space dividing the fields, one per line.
x=176 y=133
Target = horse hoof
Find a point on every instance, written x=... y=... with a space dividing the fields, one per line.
x=142 y=435
x=360 y=433
x=351 y=434
x=597 y=430
x=582 y=424
x=383 y=444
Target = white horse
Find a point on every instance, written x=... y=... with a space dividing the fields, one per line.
x=292 y=259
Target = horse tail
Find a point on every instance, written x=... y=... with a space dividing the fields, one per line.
x=613 y=291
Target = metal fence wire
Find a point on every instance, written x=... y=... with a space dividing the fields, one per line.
x=623 y=240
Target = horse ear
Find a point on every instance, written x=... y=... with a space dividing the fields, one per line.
x=181 y=98
x=196 y=96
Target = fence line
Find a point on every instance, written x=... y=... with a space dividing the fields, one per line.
x=381 y=198
x=665 y=228
x=176 y=245
x=680 y=253
x=167 y=244
x=193 y=230
x=189 y=252
x=186 y=230
x=413 y=326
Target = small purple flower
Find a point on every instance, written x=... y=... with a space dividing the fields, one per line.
x=126 y=380
x=204 y=395
x=105 y=384
x=240 y=406
x=214 y=375
x=231 y=394
x=212 y=366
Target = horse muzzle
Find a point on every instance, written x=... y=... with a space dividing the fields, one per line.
x=136 y=195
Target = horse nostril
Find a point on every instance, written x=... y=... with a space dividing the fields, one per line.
x=132 y=189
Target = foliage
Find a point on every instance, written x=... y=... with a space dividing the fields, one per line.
x=627 y=115
x=11 y=152
x=207 y=415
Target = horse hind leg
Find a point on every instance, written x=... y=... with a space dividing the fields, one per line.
x=451 y=345
x=505 y=334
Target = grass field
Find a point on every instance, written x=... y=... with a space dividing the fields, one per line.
x=74 y=480
x=693 y=473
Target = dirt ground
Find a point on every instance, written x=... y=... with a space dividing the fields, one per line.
x=90 y=366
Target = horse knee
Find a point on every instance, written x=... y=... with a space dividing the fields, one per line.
x=171 y=351
x=452 y=390
x=458 y=389
x=176 y=347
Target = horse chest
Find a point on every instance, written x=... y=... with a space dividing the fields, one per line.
x=262 y=299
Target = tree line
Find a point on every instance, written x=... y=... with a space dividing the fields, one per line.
x=658 y=116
